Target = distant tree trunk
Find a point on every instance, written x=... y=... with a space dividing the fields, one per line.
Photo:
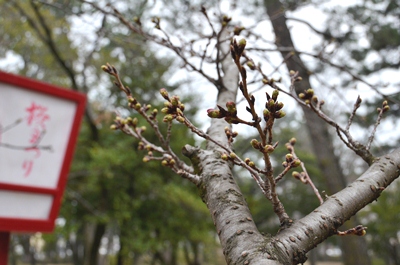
x=354 y=248
x=94 y=233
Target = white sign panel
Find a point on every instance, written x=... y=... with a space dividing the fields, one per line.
x=34 y=134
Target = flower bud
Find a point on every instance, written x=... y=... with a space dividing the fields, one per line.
x=164 y=163
x=268 y=149
x=251 y=65
x=180 y=119
x=385 y=108
x=168 y=118
x=231 y=106
x=296 y=174
x=292 y=141
x=113 y=127
x=289 y=157
x=175 y=101
x=275 y=94
x=138 y=106
x=296 y=163
x=279 y=106
x=271 y=104
x=213 y=113
x=255 y=143
x=280 y=114
x=164 y=93
x=232 y=155
x=146 y=159
x=224 y=157
x=105 y=68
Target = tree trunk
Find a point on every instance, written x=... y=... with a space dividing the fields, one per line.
x=354 y=248
x=93 y=240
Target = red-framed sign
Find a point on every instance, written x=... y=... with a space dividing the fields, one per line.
x=39 y=126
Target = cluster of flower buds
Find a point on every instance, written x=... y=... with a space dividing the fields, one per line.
x=291 y=161
x=229 y=114
x=249 y=162
x=290 y=144
x=227 y=157
x=230 y=135
x=295 y=75
x=173 y=107
x=385 y=107
x=266 y=149
x=120 y=122
x=300 y=176
x=168 y=161
x=273 y=108
x=149 y=149
x=309 y=97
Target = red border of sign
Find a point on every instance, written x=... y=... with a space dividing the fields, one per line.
x=29 y=225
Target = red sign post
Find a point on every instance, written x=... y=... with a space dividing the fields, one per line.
x=39 y=126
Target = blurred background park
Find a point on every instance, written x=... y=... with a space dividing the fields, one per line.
x=116 y=210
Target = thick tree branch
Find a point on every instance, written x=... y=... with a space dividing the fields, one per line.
x=306 y=233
